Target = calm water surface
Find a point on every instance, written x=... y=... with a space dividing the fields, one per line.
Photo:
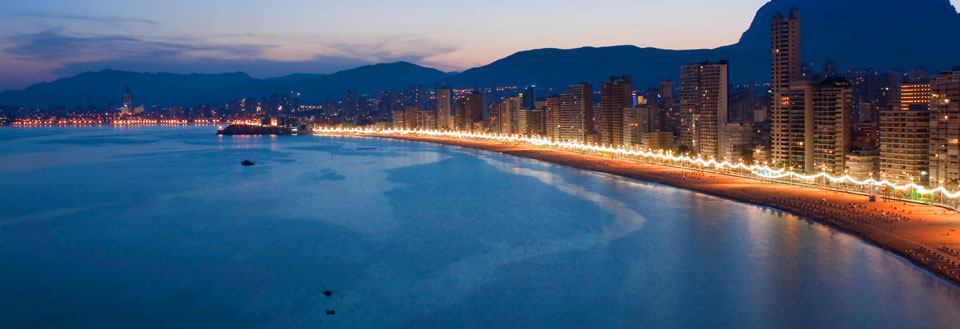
x=162 y=228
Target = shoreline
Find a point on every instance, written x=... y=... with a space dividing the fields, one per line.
x=927 y=235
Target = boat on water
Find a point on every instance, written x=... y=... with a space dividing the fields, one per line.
x=246 y=163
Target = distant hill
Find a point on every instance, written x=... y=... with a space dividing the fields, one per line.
x=881 y=34
x=100 y=87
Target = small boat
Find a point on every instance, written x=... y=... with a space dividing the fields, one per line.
x=246 y=163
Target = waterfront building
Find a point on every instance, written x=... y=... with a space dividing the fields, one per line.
x=638 y=121
x=632 y=127
x=506 y=114
x=536 y=121
x=832 y=103
x=945 y=129
x=615 y=96
x=905 y=137
x=444 y=113
x=576 y=113
x=738 y=140
x=521 y=121
x=398 y=119
x=793 y=143
x=469 y=111
x=703 y=103
x=552 y=109
x=785 y=69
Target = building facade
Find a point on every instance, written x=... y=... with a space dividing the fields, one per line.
x=444 y=113
x=905 y=137
x=576 y=113
x=703 y=102
x=785 y=69
x=945 y=129
x=832 y=103
x=615 y=95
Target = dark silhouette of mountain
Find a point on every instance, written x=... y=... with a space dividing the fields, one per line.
x=881 y=34
x=99 y=88
x=370 y=78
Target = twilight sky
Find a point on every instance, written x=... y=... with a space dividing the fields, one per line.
x=41 y=40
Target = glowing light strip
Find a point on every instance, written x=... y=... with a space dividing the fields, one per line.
x=765 y=172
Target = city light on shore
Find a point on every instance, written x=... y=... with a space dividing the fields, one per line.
x=759 y=170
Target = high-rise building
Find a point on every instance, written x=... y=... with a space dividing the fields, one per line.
x=507 y=114
x=444 y=99
x=793 y=140
x=521 y=121
x=637 y=121
x=576 y=113
x=785 y=69
x=469 y=111
x=703 y=103
x=530 y=122
x=945 y=129
x=904 y=144
x=615 y=95
x=832 y=104
x=552 y=109
x=412 y=118
x=398 y=120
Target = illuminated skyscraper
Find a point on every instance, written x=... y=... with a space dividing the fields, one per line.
x=615 y=96
x=703 y=103
x=796 y=133
x=444 y=100
x=832 y=104
x=905 y=136
x=576 y=113
x=784 y=69
x=552 y=109
x=507 y=114
x=469 y=111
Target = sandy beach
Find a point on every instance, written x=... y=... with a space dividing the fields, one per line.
x=927 y=235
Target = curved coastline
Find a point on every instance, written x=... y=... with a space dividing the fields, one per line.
x=917 y=232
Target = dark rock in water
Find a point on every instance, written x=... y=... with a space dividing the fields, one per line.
x=246 y=163
x=331 y=312
x=327 y=293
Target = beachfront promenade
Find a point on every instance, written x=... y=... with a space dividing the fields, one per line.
x=927 y=234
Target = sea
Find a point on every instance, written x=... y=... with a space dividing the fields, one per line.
x=162 y=227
